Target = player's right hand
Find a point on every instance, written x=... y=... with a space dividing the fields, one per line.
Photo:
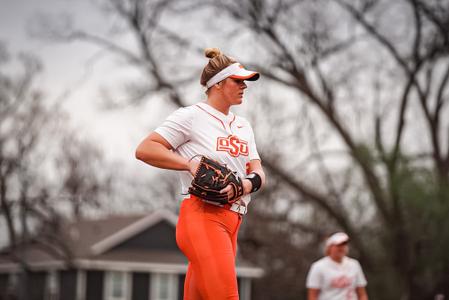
x=193 y=166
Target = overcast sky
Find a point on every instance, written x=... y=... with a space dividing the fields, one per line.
x=65 y=70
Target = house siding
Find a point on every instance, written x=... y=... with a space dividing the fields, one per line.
x=161 y=236
x=94 y=285
x=4 y=279
x=140 y=286
x=35 y=290
x=36 y=286
x=67 y=284
x=181 y=280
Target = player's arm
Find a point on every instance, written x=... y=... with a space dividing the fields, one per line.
x=361 y=293
x=255 y=166
x=156 y=151
x=312 y=294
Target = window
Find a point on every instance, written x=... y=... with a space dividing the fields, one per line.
x=164 y=286
x=117 y=285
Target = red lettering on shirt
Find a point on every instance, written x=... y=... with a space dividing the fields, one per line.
x=341 y=282
x=233 y=145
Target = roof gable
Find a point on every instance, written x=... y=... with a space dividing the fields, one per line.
x=160 y=236
x=132 y=230
x=80 y=236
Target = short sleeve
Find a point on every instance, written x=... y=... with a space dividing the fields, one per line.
x=176 y=128
x=253 y=154
x=314 y=278
x=360 y=279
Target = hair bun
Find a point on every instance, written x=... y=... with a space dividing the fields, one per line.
x=212 y=52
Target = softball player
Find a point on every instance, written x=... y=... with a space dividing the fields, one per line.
x=206 y=232
x=336 y=276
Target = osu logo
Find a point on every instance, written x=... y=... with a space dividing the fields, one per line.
x=233 y=145
x=341 y=282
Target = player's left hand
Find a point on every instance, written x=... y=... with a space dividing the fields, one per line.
x=228 y=190
x=246 y=189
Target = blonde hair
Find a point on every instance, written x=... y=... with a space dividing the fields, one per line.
x=217 y=62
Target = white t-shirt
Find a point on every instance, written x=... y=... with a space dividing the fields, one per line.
x=336 y=281
x=200 y=129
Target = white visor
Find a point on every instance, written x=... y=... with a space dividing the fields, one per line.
x=236 y=71
x=337 y=239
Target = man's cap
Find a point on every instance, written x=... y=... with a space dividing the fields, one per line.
x=236 y=71
x=337 y=239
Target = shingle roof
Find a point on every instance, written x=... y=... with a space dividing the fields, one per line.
x=82 y=235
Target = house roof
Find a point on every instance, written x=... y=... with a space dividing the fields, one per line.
x=93 y=237
x=82 y=235
x=93 y=245
x=88 y=238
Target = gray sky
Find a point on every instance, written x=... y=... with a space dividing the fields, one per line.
x=65 y=69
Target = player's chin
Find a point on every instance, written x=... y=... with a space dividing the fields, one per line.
x=238 y=100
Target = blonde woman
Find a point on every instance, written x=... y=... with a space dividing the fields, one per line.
x=207 y=232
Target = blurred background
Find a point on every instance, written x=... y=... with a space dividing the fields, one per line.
x=350 y=115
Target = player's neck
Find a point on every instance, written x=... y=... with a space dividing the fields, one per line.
x=337 y=258
x=218 y=104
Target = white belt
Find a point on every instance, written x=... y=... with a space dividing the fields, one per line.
x=240 y=209
x=235 y=207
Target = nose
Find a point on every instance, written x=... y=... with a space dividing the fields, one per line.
x=243 y=85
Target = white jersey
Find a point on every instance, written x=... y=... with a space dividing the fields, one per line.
x=336 y=281
x=200 y=129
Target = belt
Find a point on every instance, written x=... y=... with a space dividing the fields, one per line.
x=235 y=207
x=238 y=208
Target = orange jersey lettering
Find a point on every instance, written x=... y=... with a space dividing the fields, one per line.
x=233 y=145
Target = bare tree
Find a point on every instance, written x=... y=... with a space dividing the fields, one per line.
x=319 y=60
x=32 y=196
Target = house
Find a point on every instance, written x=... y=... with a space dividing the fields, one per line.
x=116 y=258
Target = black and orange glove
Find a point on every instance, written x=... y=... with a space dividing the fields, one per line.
x=211 y=177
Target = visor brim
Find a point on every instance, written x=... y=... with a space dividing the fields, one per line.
x=246 y=75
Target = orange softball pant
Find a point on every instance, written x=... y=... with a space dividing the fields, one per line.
x=207 y=235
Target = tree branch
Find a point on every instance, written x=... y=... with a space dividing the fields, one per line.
x=372 y=30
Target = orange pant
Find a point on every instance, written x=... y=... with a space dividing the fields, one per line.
x=207 y=235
